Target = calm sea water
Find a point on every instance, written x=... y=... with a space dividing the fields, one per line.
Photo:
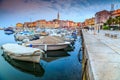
x=60 y=65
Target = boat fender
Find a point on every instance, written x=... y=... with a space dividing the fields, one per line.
x=30 y=45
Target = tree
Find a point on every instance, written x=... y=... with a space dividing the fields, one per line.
x=118 y=20
x=114 y=21
x=109 y=21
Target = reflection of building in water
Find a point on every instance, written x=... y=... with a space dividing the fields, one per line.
x=27 y=67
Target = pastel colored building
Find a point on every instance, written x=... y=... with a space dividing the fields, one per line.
x=90 y=22
x=34 y=24
x=55 y=23
x=101 y=17
x=41 y=23
x=79 y=24
x=116 y=13
x=49 y=24
x=29 y=24
x=83 y=24
x=19 y=25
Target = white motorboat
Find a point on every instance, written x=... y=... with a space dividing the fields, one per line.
x=48 y=43
x=19 y=52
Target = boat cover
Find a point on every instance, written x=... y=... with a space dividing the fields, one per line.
x=19 y=49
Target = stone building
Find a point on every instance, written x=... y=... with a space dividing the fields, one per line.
x=116 y=13
x=101 y=17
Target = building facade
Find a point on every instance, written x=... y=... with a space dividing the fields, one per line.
x=101 y=17
x=19 y=25
x=116 y=13
x=41 y=23
x=89 y=22
x=55 y=23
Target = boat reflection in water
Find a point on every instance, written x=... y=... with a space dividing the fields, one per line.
x=27 y=67
x=35 y=68
x=54 y=55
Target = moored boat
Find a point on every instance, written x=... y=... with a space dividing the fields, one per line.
x=43 y=33
x=20 y=36
x=1 y=28
x=50 y=46
x=27 y=67
x=48 y=43
x=9 y=30
x=18 y=52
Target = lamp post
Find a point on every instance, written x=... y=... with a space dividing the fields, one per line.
x=98 y=28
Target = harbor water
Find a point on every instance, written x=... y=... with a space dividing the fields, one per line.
x=59 y=65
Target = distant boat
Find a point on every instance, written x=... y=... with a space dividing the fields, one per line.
x=9 y=30
x=18 y=52
x=69 y=38
x=27 y=67
x=20 y=36
x=1 y=29
x=74 y=34
x=43 y=33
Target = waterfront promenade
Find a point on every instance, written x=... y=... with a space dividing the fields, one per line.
x=101 y=56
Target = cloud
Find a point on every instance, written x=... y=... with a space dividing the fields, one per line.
x=1 y=1
x=77 y=10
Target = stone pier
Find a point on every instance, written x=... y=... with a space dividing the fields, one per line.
x=101 y=55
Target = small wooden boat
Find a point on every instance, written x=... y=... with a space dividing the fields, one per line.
x=18 y=52
x=44 y=33
x=26 y=67
x=48 y=43
x=50 y=46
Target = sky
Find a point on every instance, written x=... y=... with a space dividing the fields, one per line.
x=14 y=11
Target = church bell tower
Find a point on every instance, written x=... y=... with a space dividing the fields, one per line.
x=58 y=16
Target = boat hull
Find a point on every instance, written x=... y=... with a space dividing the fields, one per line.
x=22 y=53
x=30 y=58
x=8 y=32
x=50 y=47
